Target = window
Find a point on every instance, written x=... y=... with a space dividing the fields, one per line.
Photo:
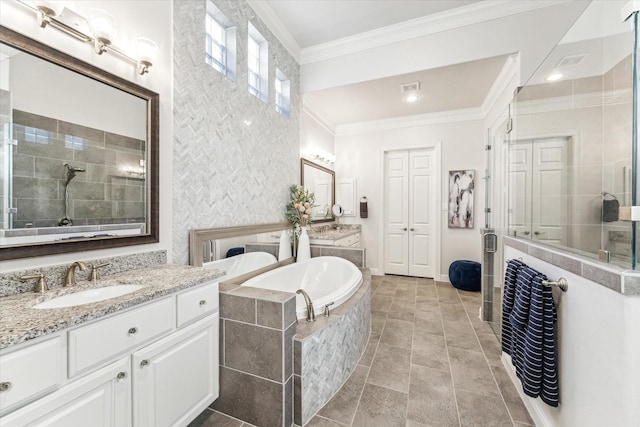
x=283 y=93
x=257 y=64
x=220 y=42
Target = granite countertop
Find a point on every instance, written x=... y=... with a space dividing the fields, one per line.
x=332 y=234
x=20 y=322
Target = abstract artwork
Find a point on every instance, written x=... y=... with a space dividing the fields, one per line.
x=461 y=184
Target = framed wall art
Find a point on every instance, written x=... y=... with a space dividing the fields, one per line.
x=461 y=189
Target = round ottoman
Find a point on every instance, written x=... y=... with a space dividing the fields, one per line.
x=234 y=251
x=465 y=275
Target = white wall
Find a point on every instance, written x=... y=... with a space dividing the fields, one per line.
x=598 y=348
x=360 y=154
x=137 y=18
x=314 y=135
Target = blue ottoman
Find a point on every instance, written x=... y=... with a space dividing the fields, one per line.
x=465 y=275
x=234 y=251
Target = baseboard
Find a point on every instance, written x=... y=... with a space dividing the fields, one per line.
x=537 y=416
x=444 y=278
x=376 y=272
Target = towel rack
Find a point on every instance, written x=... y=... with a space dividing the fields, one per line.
x=562 y=283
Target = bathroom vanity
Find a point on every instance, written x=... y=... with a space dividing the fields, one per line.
x=346 y=235
x=146 y=358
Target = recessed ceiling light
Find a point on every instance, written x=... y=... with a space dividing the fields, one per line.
x=555 y=76
x=411 y=98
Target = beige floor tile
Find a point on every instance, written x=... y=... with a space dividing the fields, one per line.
x=381 y=407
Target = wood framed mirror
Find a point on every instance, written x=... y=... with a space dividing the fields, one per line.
x=322 y=183
x=79 y=154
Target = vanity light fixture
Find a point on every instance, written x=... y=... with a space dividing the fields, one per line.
x=100 y=31
x=323 y=157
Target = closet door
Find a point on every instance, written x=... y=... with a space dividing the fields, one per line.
x=409 y=211
x=421 y=213
x=396 y=212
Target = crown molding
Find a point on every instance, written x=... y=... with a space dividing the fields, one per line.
x=448 y=20
x=271 y=20
x=500 y=84
x=318 y=114
x=428 y=119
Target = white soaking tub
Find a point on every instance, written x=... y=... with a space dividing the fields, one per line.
x=326 y=279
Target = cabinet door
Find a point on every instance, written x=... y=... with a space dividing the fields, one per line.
x=176 y=378
x=102 y=398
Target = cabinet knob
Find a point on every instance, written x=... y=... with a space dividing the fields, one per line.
x=203 y=302
x=121 y=376
x=5 y=386
x=133 y=331
x=144 y=362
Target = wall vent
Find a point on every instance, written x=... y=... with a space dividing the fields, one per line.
x=570 y=61
x=410 y=87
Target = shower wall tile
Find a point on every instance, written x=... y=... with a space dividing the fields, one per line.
x=35 y=188
x=23 y=165
x=123 y=143
x=225 y=172
x=35 y=121
x=91 y=134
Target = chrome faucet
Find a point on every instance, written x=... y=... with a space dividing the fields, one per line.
x=70 y=277
x=311 y=315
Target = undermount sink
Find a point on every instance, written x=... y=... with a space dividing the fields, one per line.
x=88 y=296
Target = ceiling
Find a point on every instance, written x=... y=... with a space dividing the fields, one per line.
x=441 y=89
x=313 y=22
x=309 y=26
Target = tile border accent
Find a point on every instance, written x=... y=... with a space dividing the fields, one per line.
x=626 y=282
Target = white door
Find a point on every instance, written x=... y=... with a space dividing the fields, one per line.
x=520 y=166
x=176 y=378
x=396 y=192
x=409 y=213
x=549 y=208
x=539 y=186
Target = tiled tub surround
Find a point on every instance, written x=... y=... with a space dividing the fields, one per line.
x=10 y=283
x=626 y=282
x=357 y=256
x=328 y=350
x=258 y=332
x=19 y=322
x=105 y=194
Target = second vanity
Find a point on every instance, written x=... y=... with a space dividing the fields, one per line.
x=146 y=358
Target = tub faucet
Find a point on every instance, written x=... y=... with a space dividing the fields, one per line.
x=70 y=277
x=311 y=315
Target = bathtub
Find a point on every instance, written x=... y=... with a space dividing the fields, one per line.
x=240 y=264
x=326 y=279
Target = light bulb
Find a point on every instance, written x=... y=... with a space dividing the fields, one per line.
x=103 y=26
x=147 y=51
x=411 y=98
x=555 y=76
x=49 y=8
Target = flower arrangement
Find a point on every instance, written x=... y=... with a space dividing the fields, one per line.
x=300 y=208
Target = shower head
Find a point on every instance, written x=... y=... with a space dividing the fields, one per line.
x=71 y=171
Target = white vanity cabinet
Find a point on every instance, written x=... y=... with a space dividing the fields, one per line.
x=176 y=378
x=155 y=364
x=100 y=399
x=352 y=241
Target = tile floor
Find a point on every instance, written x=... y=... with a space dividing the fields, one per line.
x=430 y=362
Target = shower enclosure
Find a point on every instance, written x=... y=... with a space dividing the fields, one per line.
x=570 y=163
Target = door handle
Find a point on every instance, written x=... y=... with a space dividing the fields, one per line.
x=412 y=229
x=537 y=233
x=526 y=233
x=404 y=229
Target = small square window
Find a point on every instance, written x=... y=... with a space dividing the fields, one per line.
x=257 y=64
x=220 y=42
x=283 y=93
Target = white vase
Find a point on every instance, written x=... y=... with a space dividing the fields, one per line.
x=304 y=249
x=285 y=246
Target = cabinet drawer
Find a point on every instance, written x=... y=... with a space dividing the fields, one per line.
x=92 y=344
x=197 y=303
x=29 y=372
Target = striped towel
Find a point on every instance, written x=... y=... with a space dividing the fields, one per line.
x=540 y=361
x=508 y=298
x=532 y=323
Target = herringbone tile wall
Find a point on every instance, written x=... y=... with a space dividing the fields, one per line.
x=225 y=172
